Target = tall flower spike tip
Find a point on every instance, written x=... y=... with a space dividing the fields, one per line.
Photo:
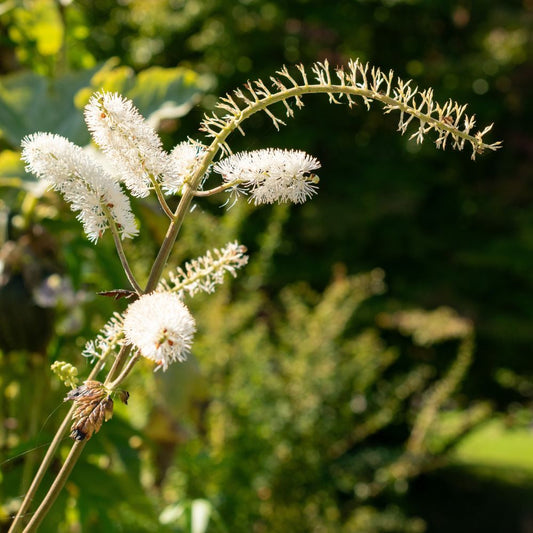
x=358 y=81
x=272 y=175
x=161 y=327
x=133 y=147
x=82 y=181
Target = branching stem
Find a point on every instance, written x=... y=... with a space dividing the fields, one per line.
x=216 y=190
x=162 y=200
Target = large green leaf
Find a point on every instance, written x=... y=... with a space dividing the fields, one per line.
x=168 y=92
x=31 y=102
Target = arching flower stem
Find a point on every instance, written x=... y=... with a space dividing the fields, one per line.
x=120 y=252
x=162 y=201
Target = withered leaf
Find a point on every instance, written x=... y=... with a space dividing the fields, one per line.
x=117 y=294
x=93 y=406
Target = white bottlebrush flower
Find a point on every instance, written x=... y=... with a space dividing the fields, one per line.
x=204 y=273
x=161 y=327
x=186 y=156
x=82 y=181
x=132 y=145
x=109 y=338
x=272 y=175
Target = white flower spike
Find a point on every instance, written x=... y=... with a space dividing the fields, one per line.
x=132 y=145
x=204 y=273
x=82 y=181
x=272 y=175
x=161 y=327
x=186 y=156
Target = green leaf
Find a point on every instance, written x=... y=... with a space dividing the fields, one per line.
x=169 y=92
x=30 y=102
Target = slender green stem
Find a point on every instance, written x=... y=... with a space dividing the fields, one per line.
x=162 y=200
x=56 y=487
x=122 y=255
x=170 y=239
x=124 y=373
x=117 y=363
x=216 y=190
x=39 y=388
x=45 y=463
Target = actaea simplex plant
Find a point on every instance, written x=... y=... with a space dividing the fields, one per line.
x=157 y=324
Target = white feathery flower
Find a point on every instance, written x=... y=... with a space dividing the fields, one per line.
x=82 y=181
x=161 y=327
x=109 y=338
x=132 y=145
x=272 y=175
x=204 y=273
x=186 y=156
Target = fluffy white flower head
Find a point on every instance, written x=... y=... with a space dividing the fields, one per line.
x=161 y=327
x=84 y=183
x=272 y=175
x=132 y=145
x=186 y=157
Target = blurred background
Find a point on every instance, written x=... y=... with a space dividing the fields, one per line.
x=335 y=385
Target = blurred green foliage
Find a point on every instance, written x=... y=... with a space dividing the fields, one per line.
x=434 y=222
x=297 y=412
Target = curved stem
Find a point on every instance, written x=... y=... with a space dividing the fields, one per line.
x=122 y=257
x=162 y=201
x=222 y=128
x=45 y=463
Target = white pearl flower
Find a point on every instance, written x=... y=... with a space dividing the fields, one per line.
x=132 y=145
x=161 y=327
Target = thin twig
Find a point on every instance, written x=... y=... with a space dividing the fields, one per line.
x=162 y=200
x=170 y=237
x=117 y=363
x=122 y=256
x=124 y=373
x=216 y=190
